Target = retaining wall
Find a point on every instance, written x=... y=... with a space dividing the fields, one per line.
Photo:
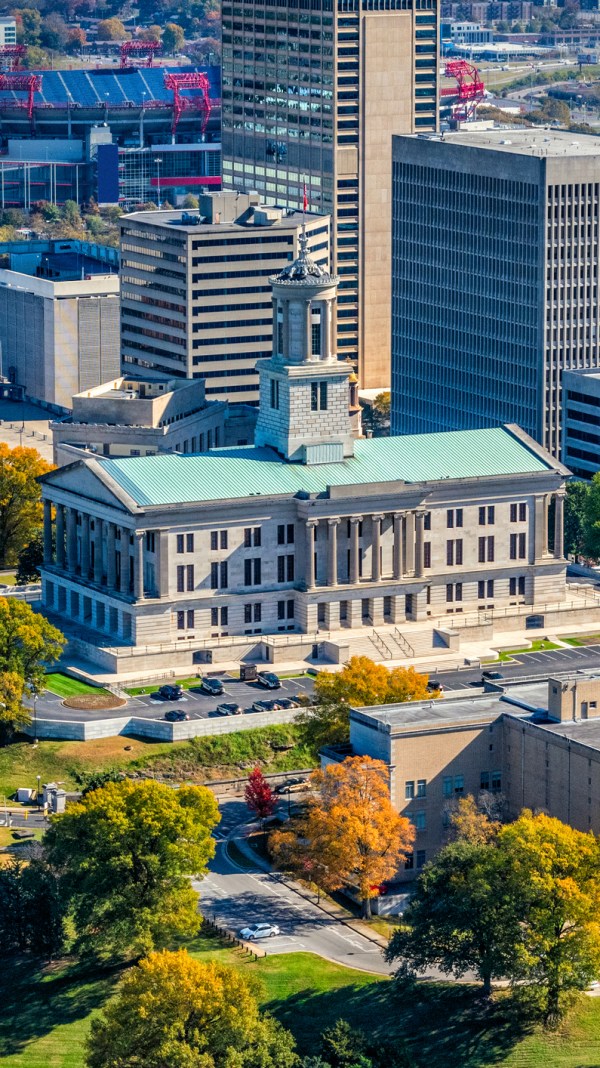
x=157 y=730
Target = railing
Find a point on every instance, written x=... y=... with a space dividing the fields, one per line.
x=403 y=643
x=488 y=617
x=382 y=646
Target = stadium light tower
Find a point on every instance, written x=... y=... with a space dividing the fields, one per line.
x=158 y=162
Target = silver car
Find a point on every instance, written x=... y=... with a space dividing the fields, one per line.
x=259 y=930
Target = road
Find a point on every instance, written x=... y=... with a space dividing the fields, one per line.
x=580 y=658
x=235 y=898
x=196 y=704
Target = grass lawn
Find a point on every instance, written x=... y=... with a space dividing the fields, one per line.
x=538 y=646
x=65 y=686
x=583 y=639
x=47 y=1011
x=7 y=578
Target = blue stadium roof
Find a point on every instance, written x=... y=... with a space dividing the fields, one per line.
x=133 y=85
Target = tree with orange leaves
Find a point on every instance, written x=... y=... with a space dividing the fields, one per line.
x=350 y=834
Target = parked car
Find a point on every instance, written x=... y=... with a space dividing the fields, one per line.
x=175 y=716
x=229 y=710
x=268 y=679
x=212 y=686
x=266 y=706
x=491 y=676
x=435 y=684
x=292 y=785
x=171 y=693
x=288 y=702
x=260 y=930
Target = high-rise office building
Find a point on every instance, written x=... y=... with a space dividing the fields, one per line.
x=312 y=92
x=195 y=292
x=494 y=278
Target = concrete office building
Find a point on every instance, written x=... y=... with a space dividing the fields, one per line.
x=581 y=422
x=312 y=92
x=59 y=318
x=130 y=417
x=531 y=746
x=308 y=530
x=8 y=31
x=495 y=278
x=195 y=293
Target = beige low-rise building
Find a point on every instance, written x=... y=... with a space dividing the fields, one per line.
x=141 y=417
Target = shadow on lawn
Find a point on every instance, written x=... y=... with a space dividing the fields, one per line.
x=36 y=998
x=442 y=1026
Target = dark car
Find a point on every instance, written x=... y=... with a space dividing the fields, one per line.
x=175 y=716
x=491 y=676
x=265 y=706
x=229 y=710
x=212 y=686
x=435 y=684
x=287 y=702
x=268 y=679
x=171 y=693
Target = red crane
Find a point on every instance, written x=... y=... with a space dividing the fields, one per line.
x=140 y=50
x=181 y=80
x=11 y=56
x=470 y=89
x=19 y=83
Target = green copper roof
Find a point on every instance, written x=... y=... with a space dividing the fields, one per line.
x=225 y=474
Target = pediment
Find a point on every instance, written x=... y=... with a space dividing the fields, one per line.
x=88 y=481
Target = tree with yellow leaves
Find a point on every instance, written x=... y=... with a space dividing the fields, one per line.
x=20 y=499
x=360 y=682
x=177 y=1011
x=351 y=833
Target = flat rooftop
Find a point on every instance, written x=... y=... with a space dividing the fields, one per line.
x=586 y=732
x=525 y=142
x=432 y=714
x=173 y=219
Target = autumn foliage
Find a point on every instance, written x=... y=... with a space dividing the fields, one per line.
x=20 y=499
x=351 y=833
x=259 y=795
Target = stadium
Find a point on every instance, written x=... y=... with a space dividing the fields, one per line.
x=122 y=136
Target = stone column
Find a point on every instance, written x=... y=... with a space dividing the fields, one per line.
x=308 y=324
x=355 y=520
x=326 y=329
x=559 y=525
x=48 y=532
x=98 y=539
x=138 y=566
x=60 y=535
x=310 y=553
x=124 y=586
x=397 y=562
x=111 y=556
x=419 y=553
x=376 y=520
x=409 y=527
x=85 y=545
x=540 y=528
x=163 y=564
x=71 y=540
x=332 y=570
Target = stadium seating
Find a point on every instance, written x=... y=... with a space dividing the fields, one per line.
x=101 y=86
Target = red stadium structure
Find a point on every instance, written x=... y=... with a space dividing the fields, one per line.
x=470 y=88
x=139 y=50
x=11 y=56
x=19 y=83
x=178 y=81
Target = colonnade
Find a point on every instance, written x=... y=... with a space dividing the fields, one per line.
x=408 y=558
x=119 y=567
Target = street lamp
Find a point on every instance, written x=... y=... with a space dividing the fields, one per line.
x=34 y=693
x=39 y=779
x=158 y=162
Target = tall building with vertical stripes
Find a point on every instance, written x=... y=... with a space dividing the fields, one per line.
x=312 y=92
x=495 y=278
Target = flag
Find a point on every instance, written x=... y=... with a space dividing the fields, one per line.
x=304 y=199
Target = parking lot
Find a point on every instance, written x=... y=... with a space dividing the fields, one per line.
x=194 y=703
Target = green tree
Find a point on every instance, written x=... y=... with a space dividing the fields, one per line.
x=111 y=29
x=381 y=413
x=190 y=201
x=71 y=214
x=28 y=642
x=31 y=914
x=124 y=854
x=20 y=499
x=176 y=1011
x=554 y=873
x=55 y=32
x=592 y=519
x=344 y=1046
x=461 y=918
x=173 y=37
x=30 y=560
x=575 y=512
x=29 y=22
x=36 y=57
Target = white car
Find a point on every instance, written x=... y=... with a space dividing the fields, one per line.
x=259 y=930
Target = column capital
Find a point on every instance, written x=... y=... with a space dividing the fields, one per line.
x=356 y=518
x=312 y=523
x=333 y=522
x=398 y=516
x=378 y=517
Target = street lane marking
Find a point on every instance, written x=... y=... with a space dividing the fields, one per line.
x=334 y=930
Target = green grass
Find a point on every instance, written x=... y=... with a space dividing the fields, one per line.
x=540 y=645
x=188 y=684
x=65 y=686
x=8 y=578
x=47 y=1012
x=583 y=639
x=228 y=756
